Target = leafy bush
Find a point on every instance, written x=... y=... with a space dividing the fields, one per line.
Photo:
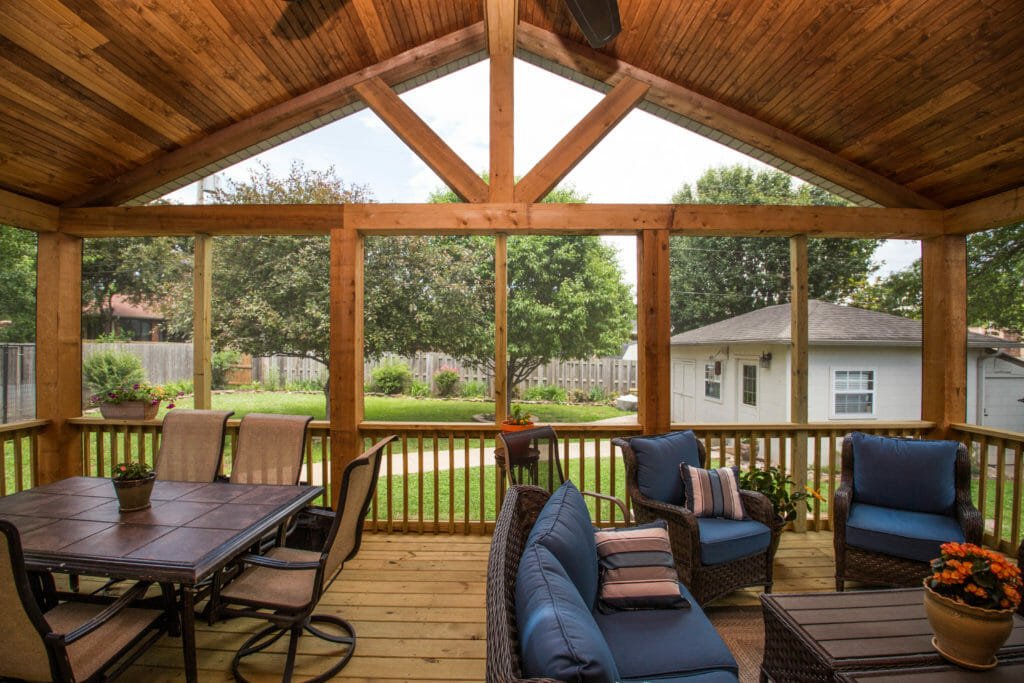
x=445 y=380
x=578 y=396
x=108 y=370
x=118 y=335
x=419 y=390
x=305 y=385
x=391 y=378
x=546 y=392
x=222 y=362
x=599 y=395
x=180 y=388
x=473 y=389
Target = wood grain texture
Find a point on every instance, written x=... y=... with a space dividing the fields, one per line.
x=28 y=214
x=944 y=352
x=999 y=211
x=202 y=322
x=502 y=17
x=654 y=329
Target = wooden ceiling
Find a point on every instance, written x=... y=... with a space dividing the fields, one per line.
x=927 y=95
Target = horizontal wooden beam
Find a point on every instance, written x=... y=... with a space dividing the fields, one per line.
x=282 y=118
x=30 y=214
x=985 y=214
x=691 y=219
x=723 y=118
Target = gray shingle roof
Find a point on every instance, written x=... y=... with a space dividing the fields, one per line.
x=828 y=324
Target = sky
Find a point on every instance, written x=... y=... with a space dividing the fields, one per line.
x=643 y=160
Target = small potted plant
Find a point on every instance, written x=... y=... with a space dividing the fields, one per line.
x=777 y=486
x=970 y=599
x=139 y=401
x=133 y=484
x=518 y=420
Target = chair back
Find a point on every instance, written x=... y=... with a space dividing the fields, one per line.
x=191 y=444
x=270 y=449
x=358 y=485
x=22 y=625
x=532 y=457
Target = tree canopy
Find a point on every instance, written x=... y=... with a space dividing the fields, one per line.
x=714 y=278
x=17 y=284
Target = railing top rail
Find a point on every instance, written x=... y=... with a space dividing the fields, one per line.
x=806 y=427
x=23 y=425
x=988 y=431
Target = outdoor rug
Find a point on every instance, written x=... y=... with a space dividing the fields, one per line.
x=742 y=629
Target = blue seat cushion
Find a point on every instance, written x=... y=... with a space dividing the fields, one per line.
x=900 y=533
x=906 y=474
x=664 y=644
x=658 y=459
x=558 y=637
x=725 y=540
x=563 y=527
x=715 y=676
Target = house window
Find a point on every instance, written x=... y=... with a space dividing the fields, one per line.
x=853 y=392
x=749 y=384
x=713 y=380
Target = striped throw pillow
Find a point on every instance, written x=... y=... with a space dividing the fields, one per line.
x=637 y=569
x=712 y=493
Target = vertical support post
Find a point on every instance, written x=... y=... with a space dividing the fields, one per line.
x=654 y=330
x=346 y=351
x=944 y=346
x=202 y=288
x=798 y=325
x=59 y=355
x=501 y=387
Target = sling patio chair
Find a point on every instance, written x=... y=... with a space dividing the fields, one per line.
x=270 y=449
x=191 y=443
x=284 y=585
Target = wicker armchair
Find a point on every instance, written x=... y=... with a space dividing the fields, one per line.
x=705 y=581
x=855 y=563
x=1020 y=563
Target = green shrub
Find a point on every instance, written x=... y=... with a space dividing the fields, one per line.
x=546 y=392
x=222 y=362
x=108 y=370
x=599 y=395
x=391 y=378
x=578 y=396
x=473 y=389
x=180 y=387
x=419 y=390
x=445 y=380
x=118 y=335
x=305 y=385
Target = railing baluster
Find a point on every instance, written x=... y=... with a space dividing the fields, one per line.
x=1000 y=478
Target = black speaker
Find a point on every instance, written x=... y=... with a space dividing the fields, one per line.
x=598 y=19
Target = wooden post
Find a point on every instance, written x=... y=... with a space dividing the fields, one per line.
x=798 y=324
x=59 y=355
x=346 y=351
x=654 y=330
x=202 y=287
x=501 y=387
x=944 y=343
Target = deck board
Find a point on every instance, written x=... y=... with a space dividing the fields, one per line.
x=417 y=604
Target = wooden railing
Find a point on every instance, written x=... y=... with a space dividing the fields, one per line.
x=19 y=447
x=997 y=479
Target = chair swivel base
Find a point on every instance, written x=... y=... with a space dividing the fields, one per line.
x=271 y=634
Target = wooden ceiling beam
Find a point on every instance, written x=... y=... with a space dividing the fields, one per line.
x=720 y=117
x=502 y=18
x=578 y=142
x=281 y=118
x=488 y=218
x=30 y=214
x=996 y=211
x=422 y=140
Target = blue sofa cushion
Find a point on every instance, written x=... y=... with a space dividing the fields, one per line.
x=558 y=637
x=901 y=533
x=563 y=527
x=725 y=540
x=716 y=676
x=664 y=644
x=658 y=459
x=906 y=474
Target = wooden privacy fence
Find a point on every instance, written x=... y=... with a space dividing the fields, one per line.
x=17 y=382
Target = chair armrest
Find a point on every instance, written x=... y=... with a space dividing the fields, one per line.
x=969 y=519
x=129 y=596
x=611 y=499
x=758 y=507
x=272 y=563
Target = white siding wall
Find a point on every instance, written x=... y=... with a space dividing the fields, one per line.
x=897 y=380
x=772 y=383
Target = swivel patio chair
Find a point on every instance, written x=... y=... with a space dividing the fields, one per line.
x=898 y=501
x=191 y=443
x=284 y=585
x=532 y=456
x=69 y=641
x=713 y=555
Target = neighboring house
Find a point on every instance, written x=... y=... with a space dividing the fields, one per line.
x=862 y=365
x=139 y=320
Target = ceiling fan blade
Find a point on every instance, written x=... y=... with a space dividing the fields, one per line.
x=598 y=19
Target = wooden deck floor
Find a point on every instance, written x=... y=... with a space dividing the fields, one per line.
x=417 y=604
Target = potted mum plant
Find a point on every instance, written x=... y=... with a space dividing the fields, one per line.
x=518 y=420
x=133 y=484
x=970 y=599
x=138 y=401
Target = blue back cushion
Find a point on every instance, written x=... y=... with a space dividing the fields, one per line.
x=658 y=459
x=906 y=474
x=563 y=527
x=558 y=637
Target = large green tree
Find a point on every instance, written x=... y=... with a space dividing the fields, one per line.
x=713 y=278
x=17 y=284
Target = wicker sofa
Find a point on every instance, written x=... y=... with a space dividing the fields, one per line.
x=546 y=582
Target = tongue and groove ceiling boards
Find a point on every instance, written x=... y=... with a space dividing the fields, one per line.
x=916 y=103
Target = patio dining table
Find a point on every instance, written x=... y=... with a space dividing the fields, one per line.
x=191 y=531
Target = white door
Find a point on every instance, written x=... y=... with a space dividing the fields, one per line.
x=1002 y=406
x=748 y=391
x=683 y=383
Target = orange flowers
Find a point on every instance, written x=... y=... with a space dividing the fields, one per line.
x=976 y=576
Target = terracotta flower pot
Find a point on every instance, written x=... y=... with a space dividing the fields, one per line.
x=508 y=427
x=965 y=635
x=130 y=410
x=133 y=494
